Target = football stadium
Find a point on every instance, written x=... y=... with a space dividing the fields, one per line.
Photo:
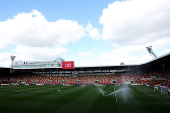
x=59 y=86
x=84 y=56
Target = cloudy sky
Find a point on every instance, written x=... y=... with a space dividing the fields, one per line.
x=89 y=32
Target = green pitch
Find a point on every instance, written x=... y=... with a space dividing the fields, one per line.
x=82 y=99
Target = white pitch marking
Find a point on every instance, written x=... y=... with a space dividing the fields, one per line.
x=101 y=91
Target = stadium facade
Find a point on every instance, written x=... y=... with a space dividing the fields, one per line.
x=54 y=67
x=114 y=74
x=38 y=64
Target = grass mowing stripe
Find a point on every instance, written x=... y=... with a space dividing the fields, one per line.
x=81 y=104
x=144 y=97
x=59 y=94
x=57 y=103
x=44 y=99
x=146 y=100
x=104 y=104
x=26 y=90
x=25 y=101
x=29 y=104
x=35 y=100
x=9 y=110
x=17 y=87
x=36 y=92
x=43 y=93
x=19 y=90
x=16 y=91
x=127 y=102
x=156 y=95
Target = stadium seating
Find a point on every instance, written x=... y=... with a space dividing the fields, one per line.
x=162 y=78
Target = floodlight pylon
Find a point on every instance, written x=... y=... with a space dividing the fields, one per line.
x=149 y=48
x=12 y=59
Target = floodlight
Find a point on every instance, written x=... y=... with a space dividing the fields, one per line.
x=149 y=48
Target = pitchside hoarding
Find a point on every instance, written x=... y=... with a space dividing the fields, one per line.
x=68 y=65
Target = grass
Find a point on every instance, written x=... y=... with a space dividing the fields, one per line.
x=82 y=99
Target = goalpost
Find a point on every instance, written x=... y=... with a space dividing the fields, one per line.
x=162 y=89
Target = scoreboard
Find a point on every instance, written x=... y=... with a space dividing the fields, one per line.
x=68 y=65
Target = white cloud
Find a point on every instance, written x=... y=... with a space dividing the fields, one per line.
x=136 y=22
x=122 y=52
x=32 y=29
x=5 y=60
x=5 y=56
x=93 y=32
x=38 y=53
x=94 y=62
x=166 y=51
x=26 y=53
x=95 y=48
x=85 y=54
x=131 y=26
x=130 y=59
x=5 y=63
x=129 y=53
x=133 y=59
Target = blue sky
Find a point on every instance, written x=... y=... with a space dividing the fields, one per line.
x=89 y=32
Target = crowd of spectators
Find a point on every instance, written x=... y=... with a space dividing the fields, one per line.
x=163 y=78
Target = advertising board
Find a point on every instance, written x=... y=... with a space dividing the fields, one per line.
x=68 y=65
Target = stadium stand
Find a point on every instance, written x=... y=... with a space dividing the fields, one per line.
x=161 y=78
